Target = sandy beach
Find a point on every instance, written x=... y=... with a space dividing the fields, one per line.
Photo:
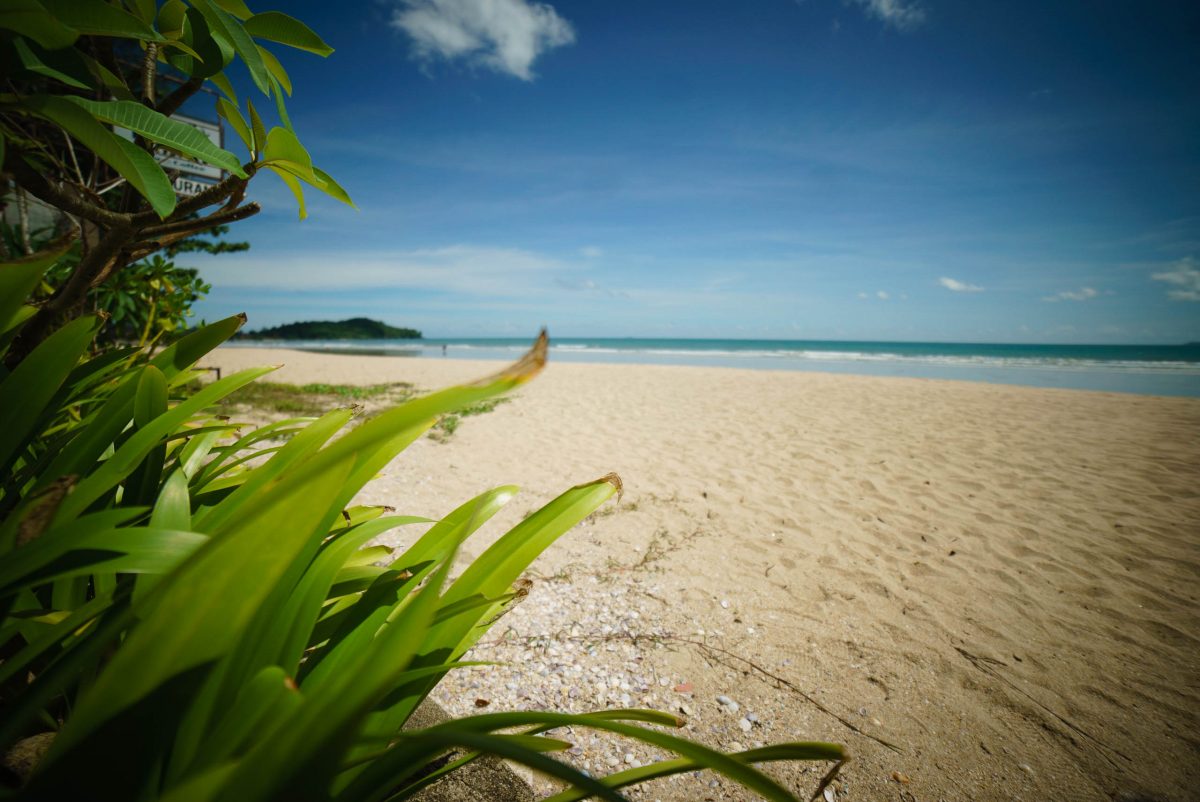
x=986 y=592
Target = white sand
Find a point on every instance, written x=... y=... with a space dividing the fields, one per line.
x=999 y=580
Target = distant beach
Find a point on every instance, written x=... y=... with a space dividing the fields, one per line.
x=986 y=592
x=1143 y=369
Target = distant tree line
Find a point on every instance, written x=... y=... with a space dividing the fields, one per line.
x=356 y=328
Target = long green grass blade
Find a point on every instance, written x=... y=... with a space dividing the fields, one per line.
x=25 y=392
x=134 y=450
x=667 y=768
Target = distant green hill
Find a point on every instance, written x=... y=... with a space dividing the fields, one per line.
x=356 y=328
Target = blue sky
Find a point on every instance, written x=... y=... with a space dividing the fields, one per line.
x=824 y=169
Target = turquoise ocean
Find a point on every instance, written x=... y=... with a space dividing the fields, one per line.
x=1144 y=369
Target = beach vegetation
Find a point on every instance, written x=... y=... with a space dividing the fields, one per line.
x=313 y=399
x=191 y=609
x=447 y=425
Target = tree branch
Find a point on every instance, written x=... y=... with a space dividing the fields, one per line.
x=149 y=63
x=63 y=196
x=214 y=194
x=190 y=227
x=171 y=103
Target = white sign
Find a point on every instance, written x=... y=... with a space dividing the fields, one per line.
x=187 y=187
x=176 y=162
x=185 y=165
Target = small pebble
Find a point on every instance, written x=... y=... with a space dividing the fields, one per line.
x=629 y=758
x=745 y=724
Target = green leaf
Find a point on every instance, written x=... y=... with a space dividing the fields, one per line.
x=293 y=185
x=146 y=10
x=257 y=128
x=221 y=82
x=276 y=69
x=332 y=188
x=237 y=8
x=224 y=24
x=667 y=768
x=157 y=128
x=233 y=116
x=25 y=392
x=101 y=19
x=180 y=356
x=132 y=163
x=111 y=82
x=173 y=508
x=285 y=151
x=19 y=278
x=134 y=450
x=30 y=18
x=64 y=553
x=280 y=105
x=212 y=52
x=277 y=27
x=65 y=65
x=171 y=17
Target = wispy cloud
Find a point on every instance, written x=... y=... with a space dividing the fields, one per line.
x=881 y=295
x=591 y=252
x=954 y=285
x=902 y=15
x=1082 y=294
x=503 y=35
x=1184 y=277
x=467 y=269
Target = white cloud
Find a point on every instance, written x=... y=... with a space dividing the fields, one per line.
x=954 y=285
x=862 y=296
x=881 y=295
x=1184 y=275
x=468 y=269
x=591 y=252
x=503 y=35
x=1083 y=294
x=900 y=14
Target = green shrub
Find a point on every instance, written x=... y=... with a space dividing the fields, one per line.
x=201 y=609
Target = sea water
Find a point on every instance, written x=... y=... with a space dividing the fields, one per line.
x=1144 y=369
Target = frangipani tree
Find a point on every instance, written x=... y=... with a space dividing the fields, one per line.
x=79 y=69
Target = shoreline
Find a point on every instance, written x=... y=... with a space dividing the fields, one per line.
x=1174 y=383
x=999 y=580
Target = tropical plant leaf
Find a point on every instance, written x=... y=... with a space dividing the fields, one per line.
x=19 y=278
x=225 y=25
x=292 y=184
x=25 y=392
x=276 y=69
x=134 y=450
x=65 y=65
x=101 y=19
x=31 y=18
x=257 y=128
x=154 y=126
x=278 y=27
x=233 y=116
x=221 y=82
x=331 y=187
x=171 y=17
